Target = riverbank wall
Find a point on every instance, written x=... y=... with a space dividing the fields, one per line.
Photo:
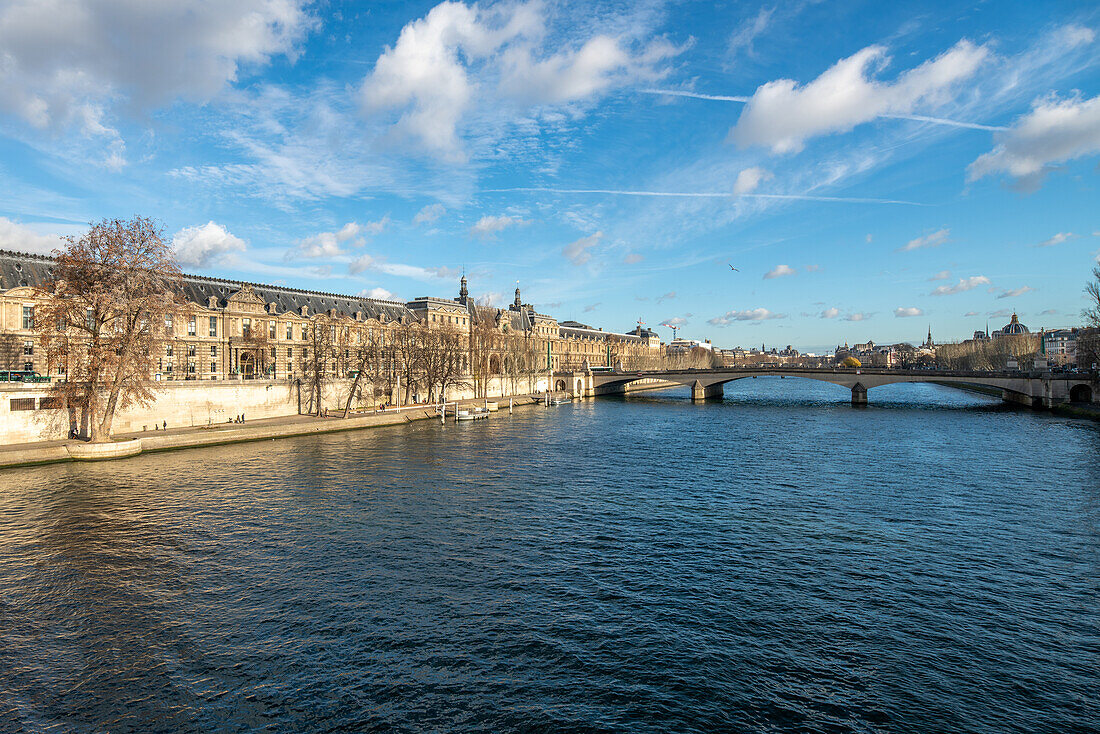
x=126 y=445
x=27 y=415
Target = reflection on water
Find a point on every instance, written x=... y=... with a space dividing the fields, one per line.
x=777 y=561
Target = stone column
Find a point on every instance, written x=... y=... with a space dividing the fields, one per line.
x=859 y=395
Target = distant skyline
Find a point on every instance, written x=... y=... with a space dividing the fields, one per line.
x=869 y=170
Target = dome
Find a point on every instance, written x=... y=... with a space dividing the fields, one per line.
x=1014 y=327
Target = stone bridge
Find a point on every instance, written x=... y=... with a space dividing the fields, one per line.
x=1036 y=389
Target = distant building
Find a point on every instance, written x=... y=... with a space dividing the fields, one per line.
x=1060 y=346
x=686 y=345
x=1012 y=328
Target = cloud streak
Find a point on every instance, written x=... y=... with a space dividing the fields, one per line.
x=701 y=195
x=964 y=284
x=935 y=239
x=742 y=99
x=753 y=314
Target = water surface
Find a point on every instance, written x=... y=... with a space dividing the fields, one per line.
x=778 y=561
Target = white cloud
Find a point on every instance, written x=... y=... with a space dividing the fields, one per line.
x=813 y=268
x=942 y=275
x=323 y=244
x=1055 y=131
x=489 y=298
x=66 y=63
x=633 y=258
x=429 y=214
x=675 y=321
x=666 y=297
x=869 y=238
x=743 y=37
x=200 y=246
x=1015 y=292
x=578 y=251
x=755 y=314
x=781 y=115
x=1056 y=239
x=20 y=238
x=749 y=179
x=379 y=293
x=366 y=261
x=935 y=239
x=353 y=229
x=330 y=244
x=970 y=313
x=460 y=54
x=779 y=271
x=907 y=311
x=857 y=317
x=964 y=284
x=489 y=226
x=600 y=64
x=830 y=313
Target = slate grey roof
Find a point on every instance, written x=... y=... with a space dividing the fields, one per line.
x=575 y=330
x=24 y=269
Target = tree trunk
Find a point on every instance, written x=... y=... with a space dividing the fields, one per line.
x=351 y=393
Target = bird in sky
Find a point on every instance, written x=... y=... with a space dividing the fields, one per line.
x=734 y=269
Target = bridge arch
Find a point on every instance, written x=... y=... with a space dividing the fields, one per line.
x=1080 y=394
x=705 y=384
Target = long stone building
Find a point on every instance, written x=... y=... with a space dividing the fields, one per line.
x=234 y=330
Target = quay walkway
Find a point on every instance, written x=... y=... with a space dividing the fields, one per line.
x=130 y=444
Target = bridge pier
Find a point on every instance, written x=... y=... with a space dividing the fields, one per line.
x=700 y=392
x=859 y=395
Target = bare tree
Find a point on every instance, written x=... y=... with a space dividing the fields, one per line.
x=99 y=318
x=1088 y=339
x=368 y=364
x=1092 y=292
x=443 y=361
x=484 y=345
x=406 y=345
x=315 y=360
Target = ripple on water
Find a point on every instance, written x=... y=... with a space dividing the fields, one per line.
x=773 y=562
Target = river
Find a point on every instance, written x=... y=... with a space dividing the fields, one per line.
x=777 y=561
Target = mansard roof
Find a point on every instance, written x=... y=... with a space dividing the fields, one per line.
x=23 y=269
x=577 y=330
x=20 y=268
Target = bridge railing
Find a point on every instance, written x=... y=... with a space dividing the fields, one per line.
x=977 y=374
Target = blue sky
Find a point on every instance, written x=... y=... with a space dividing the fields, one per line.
x=870 y=168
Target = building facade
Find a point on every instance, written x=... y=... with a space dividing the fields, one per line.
x=1060 y=347
x=229 y=329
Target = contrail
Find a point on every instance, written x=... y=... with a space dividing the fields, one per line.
x=944 y=121
x=702 y=195
x=695 y=95
x=744 y=100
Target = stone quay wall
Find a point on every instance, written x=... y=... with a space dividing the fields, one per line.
x=200 y=403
